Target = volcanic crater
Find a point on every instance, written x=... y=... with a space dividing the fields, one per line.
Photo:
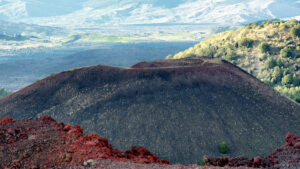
x=180 y=110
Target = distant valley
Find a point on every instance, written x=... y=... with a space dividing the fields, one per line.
x=24 y=69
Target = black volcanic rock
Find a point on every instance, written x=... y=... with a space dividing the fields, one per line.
x=180 y=110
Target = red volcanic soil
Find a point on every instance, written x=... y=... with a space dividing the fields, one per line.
x=287 y=156
x=44 y=143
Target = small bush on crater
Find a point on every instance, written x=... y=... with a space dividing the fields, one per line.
x=202 y=163
x=223 y=147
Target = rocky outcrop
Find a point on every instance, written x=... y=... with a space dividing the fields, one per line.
x=44 y=143
x=287 y=156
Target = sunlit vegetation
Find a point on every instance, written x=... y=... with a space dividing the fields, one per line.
x=270 y=51
x=4 y=92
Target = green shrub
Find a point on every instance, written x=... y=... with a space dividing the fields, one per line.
x=190 y=55
x=276 y=75
x=209 y=52
x=230 y=55
x=223 y=147
x=269 y=21
x=294 y=21
x=270 y=63
x=245 y=42
x=263 y=56
x=170 y=56
x=283 y=27
x=202 y=163
x=286 y=52
x=296 y=80
x=287 y=79
x=295 y=32
x=264 y=47
x=4 y=92
x=292 y=92
x=280 y=63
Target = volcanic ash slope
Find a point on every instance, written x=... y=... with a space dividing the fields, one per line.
x=178 y=109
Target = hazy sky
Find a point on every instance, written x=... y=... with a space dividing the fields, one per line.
x=114 y=12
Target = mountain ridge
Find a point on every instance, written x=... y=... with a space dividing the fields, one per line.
x=94 y=13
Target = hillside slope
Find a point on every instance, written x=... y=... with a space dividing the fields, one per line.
x=178 y=109
x=269 y=51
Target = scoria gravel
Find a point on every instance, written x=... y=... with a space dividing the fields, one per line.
x=287 y=156
x=45 y=143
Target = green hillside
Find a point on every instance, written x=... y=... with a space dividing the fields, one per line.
x=269 y=51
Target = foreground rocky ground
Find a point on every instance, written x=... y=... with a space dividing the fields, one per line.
x=45 y=143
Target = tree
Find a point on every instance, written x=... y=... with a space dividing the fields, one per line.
x=287 y=79
x=296 y=80
x=270 y=63
x=286 y=52
x=230 y=54
x=245 y=42
x=264 y=47
x=276 y=75
x=295 y=32
x=294 y=21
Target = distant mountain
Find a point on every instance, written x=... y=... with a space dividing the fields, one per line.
x=178 y=109
x=10 y=28
x=89 y=13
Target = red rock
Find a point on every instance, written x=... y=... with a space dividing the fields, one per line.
x=10 y=131
x=49 y=144
x=6 y=120
x=297 y=145
x=257 y=162
x=290 y=139
x=47 y=119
